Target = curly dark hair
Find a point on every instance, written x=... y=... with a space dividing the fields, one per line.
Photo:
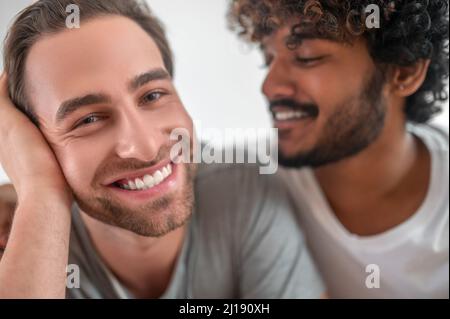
x=411 y=30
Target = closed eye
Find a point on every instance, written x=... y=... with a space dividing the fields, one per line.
x=306 y=62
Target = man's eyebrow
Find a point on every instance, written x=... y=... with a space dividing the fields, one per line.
x=70 y=106
x=144 y=78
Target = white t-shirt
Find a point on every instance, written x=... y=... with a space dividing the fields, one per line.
x=408 y=261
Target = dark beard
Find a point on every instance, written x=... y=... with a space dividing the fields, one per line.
x=352 y=128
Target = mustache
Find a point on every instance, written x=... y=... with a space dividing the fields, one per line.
x=309 y=108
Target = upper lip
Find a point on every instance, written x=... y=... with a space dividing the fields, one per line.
x=137 y=173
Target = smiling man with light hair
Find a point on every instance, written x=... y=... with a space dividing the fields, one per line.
x=103 y=105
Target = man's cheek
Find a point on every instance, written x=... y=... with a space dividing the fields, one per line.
x=78 y=171
x=179 y=118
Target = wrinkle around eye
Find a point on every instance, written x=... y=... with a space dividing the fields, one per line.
x=61 y=137
x=62 y=142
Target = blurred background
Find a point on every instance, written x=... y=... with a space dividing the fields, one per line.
x=217 y=76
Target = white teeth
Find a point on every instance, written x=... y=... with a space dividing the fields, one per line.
x=149 y=181
x=139 y=183
x=289 y=115
x=165 y=172
x=158 y=176
x=132 y=185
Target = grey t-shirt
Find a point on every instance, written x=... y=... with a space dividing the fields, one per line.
x=242 y=242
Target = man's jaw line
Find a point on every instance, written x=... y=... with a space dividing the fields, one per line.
x=134 y=241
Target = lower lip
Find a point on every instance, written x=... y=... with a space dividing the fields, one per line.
x=166 y=186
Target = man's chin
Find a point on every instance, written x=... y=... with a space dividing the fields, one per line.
x=314 y=158
x=154 y=219
x=290 y=161
x=292 y=156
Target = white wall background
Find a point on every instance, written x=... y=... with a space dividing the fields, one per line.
x=217 y=76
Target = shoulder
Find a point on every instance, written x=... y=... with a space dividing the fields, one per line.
x=434 y=136
x=241 y=176
x=238 y=185
x=237 y=198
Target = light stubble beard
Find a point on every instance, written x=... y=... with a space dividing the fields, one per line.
x=154 y=219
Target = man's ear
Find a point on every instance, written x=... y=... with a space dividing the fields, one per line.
x=406 y=80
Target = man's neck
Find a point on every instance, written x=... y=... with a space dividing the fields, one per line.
x=144 y=265
x=380 y=187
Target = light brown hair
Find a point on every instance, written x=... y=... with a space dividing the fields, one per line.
x=49 y=16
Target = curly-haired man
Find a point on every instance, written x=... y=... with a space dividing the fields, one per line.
x=352 y=101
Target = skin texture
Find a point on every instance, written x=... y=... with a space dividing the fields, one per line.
x=367 y=194
x=139 y=237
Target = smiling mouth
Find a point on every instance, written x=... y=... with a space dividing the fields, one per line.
x=285 y=113
x=146 y=181
x=290 y=115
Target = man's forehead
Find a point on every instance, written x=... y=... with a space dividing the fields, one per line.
x=97 y=43
x=102 y=55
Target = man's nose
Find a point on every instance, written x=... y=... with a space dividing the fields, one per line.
x=278 y=82
x=139 y=137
